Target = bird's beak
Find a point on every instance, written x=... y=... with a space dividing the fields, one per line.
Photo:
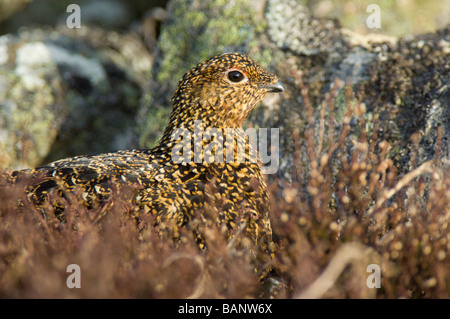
x=275 y=87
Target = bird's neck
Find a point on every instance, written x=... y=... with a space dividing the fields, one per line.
x=203 y=133
x=199 y=116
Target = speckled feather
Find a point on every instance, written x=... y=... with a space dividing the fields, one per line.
x=174 y=191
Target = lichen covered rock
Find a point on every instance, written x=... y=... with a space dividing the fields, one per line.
x=194 y=31
x=60 y=97
x=402 y=82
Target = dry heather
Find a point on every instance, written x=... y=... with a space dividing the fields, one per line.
x=344 y=209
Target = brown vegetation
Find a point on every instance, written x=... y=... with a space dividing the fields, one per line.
x=344 y=209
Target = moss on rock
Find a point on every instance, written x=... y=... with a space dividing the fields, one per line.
x=195 y=31
x=61 y=98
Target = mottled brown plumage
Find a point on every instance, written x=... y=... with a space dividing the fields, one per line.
x=218 y=93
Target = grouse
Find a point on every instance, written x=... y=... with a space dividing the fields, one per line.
x=203 y=143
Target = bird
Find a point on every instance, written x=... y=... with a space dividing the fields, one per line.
x=213 y=99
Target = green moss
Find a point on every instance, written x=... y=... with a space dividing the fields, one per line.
x=30 y=124
x=154 y=123
x=213 y=27
x=195 y=32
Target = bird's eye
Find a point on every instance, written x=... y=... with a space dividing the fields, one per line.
x=235 y=76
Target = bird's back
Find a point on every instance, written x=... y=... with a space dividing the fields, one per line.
x=92 y=176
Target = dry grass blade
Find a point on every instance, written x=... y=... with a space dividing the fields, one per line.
x=346 y=254
x=426 y=167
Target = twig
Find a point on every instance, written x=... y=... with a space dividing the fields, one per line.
x=345 y=255
x=405 y=180
x=198 y=291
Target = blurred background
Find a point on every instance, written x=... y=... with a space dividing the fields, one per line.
x=398 y=17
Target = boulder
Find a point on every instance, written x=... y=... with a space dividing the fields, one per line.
x=61 y=97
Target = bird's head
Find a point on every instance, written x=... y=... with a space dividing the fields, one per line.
x=222 y=91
